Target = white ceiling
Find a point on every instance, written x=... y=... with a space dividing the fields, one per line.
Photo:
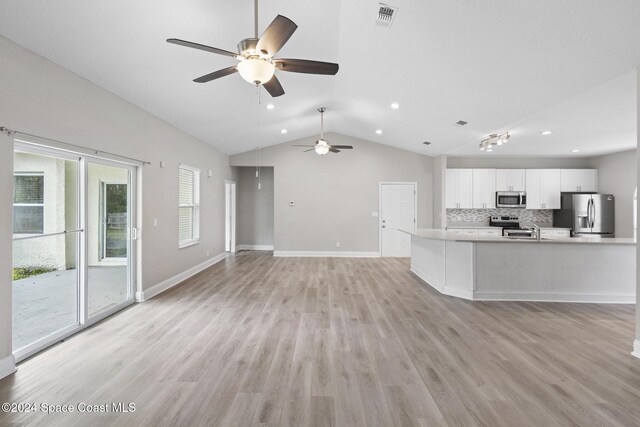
x=522 y=65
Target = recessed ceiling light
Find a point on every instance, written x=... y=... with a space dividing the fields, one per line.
x=283 y=131
x=426 y=143
x=395 y=105
x=378 y=131
x=461 y=123
x=546 y=132
x=270 y=106
x=489 y=150
x=575 y=150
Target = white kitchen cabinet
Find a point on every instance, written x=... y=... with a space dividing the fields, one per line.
x=490 y=232
x=510 y=180
x=580 y=180
x=484 y=189
x=543 y=188
x=548 y=233
x=459 y=188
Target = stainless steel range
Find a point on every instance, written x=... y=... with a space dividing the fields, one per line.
x=511 y=226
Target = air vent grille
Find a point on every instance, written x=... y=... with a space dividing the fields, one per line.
x=386 y=15
x=461 y=123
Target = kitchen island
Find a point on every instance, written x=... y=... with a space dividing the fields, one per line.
x=502 y=269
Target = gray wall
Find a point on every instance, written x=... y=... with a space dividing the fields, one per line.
x=335 y=195
x=42 y=98
x=254 y=208
x=517 y=163
x=616 y=175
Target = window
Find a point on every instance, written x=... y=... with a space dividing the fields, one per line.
x=28 y=203
x=188 y=205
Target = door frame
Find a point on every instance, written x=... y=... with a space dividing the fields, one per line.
x=415 y=207
x=83 y=320
x=229 y=216
x=102 y=233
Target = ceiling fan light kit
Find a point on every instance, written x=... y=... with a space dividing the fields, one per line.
x=494 y=139
x=321 y=146
x=256 y=55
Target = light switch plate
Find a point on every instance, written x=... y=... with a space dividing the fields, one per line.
x=374 y=214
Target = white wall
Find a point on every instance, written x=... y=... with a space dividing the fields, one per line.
x=254 y=208
x=637 y=340
x=439 y=192
x=41 y=98
x=616 y=175
x=335 y=195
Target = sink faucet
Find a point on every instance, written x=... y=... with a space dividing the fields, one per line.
x=536 y=232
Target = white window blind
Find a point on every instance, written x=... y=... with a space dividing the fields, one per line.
x=188 y=205
x=28 y=203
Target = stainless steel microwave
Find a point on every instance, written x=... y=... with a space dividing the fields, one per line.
x=511 y=199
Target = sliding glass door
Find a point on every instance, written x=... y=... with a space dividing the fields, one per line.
x=46 y=239
x=108 y=236
x=73 y=252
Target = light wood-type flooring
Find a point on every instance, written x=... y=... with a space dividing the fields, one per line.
x=257 y=340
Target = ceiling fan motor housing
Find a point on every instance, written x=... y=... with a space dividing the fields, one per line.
x=247 y=47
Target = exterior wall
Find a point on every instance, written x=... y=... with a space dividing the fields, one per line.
x=46 y=251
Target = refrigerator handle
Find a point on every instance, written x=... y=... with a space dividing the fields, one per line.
x=589 y=212
x=593 y=215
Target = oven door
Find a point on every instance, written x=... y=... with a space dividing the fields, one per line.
x=510 y=199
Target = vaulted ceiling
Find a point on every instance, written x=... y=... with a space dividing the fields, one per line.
x=526 y=66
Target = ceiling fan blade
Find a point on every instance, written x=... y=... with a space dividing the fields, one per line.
x=343 y=147
x=334 y=150
x=202 y=47
x=276 y=35
x=310 y=149
x=306 y=66
x=216 y=74
x=274 y=87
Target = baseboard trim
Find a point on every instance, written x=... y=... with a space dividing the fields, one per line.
x=326 y=254
x=636 y=349
x=588 y=298
x=254 y=247
x=7 y=366
x=444 y=290
x=178 y=278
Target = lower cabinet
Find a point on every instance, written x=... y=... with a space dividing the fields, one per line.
x=547 y=233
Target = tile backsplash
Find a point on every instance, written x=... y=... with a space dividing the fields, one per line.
x=543 y=216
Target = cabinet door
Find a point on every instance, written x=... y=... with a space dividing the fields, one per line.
x=517 y=179
x=587 y=179
x=464 y=188
x=452 y=178
x=550 y=188
x=569 y=179
x=534 y=189
x=485 y=232
x=503 y=180
x=484 y=189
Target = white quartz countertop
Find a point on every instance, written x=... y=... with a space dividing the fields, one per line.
x=479 y=225
x=436 y=234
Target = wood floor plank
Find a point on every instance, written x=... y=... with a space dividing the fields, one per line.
x=263 y=341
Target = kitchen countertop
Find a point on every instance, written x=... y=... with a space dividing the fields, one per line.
x=436 y=234
x=479 y=225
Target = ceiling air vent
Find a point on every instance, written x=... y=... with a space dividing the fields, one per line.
x=461 y=123
x=386 y=15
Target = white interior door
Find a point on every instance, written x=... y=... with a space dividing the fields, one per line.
x=397 y=212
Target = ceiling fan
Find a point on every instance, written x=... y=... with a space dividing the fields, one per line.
x=257 y=64
x=321 y=146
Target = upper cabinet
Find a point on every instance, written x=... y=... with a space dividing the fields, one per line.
x=484 y=189
x=580 y=180
x=543 y=188
x=459 y=188
x=510 y=180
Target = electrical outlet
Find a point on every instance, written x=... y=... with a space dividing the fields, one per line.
x=155 y=222
x=337 y=244
x=207 y=252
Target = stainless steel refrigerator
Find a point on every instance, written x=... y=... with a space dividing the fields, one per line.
x=586 y=214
